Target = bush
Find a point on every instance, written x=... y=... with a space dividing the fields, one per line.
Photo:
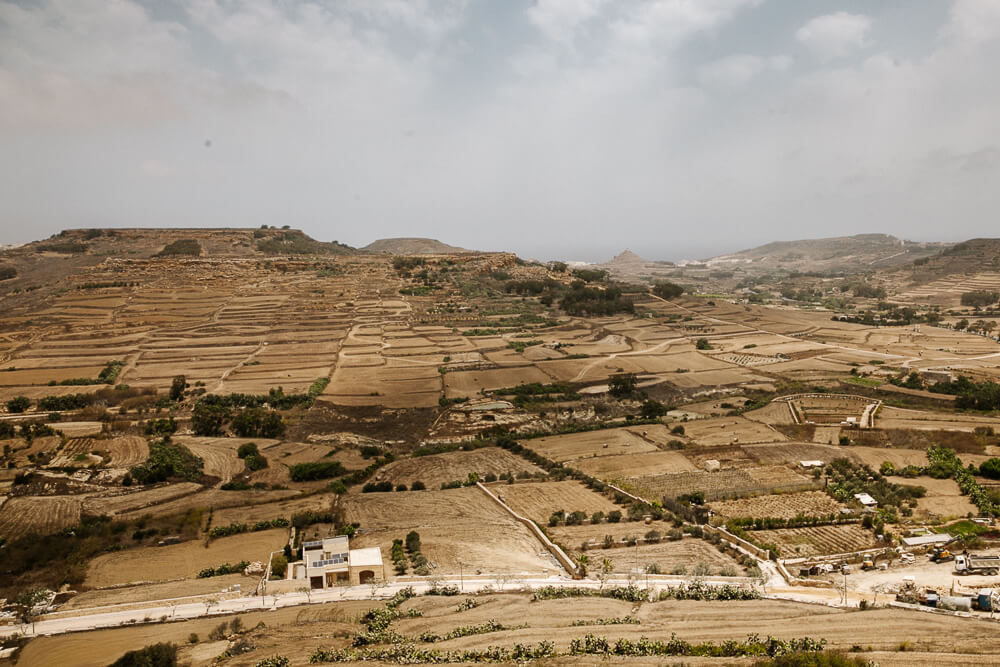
x=258 y=423
x=306 y=472
x=418 y=486
x=279 y=565
x=223 y=569
x=18 y=404
x=990 y=468
x=166 y=461
x=246 y=449
x=155 y=655
x=980 y=298
x=188 y=247
x=177 y=387
x=667 y=290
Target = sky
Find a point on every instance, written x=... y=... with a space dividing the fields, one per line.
x=568 y=129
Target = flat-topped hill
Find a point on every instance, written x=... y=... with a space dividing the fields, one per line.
x=412 y=246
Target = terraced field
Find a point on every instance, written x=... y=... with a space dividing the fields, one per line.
x=818 y=540
x=41 y=515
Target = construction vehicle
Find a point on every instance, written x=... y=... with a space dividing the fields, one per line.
x=977 y=564
x=868 y=563
x=942 y=552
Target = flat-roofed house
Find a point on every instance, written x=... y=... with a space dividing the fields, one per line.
x=330 y=561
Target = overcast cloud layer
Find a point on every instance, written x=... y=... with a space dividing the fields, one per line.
x=556 y=128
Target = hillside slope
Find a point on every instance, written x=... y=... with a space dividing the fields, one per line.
x=942 y=278
x=862 y=252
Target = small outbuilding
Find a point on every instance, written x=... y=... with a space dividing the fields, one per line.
x=866 y=500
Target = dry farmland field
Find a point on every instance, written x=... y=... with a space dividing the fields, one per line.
x=435 y=469
x=943 y=500
x=455 y=525
x=721 y=484
x=634 y=465
x=181 y=561
x=538 y=500
x=40 y=515
x=784 y=506
x=566 y=448
x=668 y=555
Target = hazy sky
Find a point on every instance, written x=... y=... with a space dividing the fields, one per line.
x=555 y=128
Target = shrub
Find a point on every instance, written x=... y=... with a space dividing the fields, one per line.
x=168 y=460
x=163 y=654
x=667 y=290
x=177 y=387
x=188 y=247
x=258 y=423
x=18 y=404
x=306 y=472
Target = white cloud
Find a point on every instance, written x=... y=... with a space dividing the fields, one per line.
x=559 y=19
x=356 y=119
x=739 y=70
x=835 y=35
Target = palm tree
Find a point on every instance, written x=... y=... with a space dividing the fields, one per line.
x=581 y=564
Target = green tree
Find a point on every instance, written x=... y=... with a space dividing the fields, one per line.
x=18 y=404
x=990 y=468
x=209 y=419
x=258 y=423
x=177 y=387
x=155 y=655
x=622 y=384
x=652 y=409
x=703 y=344
x=667 y=290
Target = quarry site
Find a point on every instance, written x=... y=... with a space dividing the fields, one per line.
x=264 y=449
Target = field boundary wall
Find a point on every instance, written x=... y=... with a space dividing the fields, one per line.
x=553 y=548
x=763 y=554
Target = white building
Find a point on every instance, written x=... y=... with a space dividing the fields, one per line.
x=330 y=561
